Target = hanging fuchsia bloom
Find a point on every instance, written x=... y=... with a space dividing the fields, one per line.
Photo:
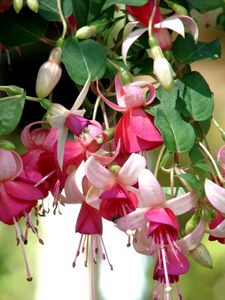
x=112 y=191
x=160 y=26
x=136 y=130
x=17 y=197
x=162 y=228
x=89 y=221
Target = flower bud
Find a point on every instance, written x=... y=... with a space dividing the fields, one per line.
x=17 y=5
x=192 y=223
x=33 y=5
x=7 y=145
x=49 y=74
x=125 y=76
x=85 y=32
x=114 y=168
x=201 y=255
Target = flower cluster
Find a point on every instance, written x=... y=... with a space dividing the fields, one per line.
x=106 y=161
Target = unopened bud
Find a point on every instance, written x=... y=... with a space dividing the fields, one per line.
x=192 y=223
x=114 y=168
x=33 y=5
x=49 y=74
x=45 y=103
x=179 y=9
x=125 y=76
x=7 y=145
x=85 y=32
x=201 y=255
x=17 y=5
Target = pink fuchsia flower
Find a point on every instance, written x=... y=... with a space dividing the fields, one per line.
x=136 y=130
x=221 y=159
x=59 y=117
x=17 y=197
x=112 y=191
x=216 y=196
x=162 y=227
x=89 y=221
x=159 y=31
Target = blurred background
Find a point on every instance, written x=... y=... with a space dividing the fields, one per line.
x=51 y=264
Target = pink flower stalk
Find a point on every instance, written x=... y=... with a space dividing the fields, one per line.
x=159 y=31
x=162 y=228
x=216 y=196
x=17 y=197
x=136 y=130
x=112 y=192
x=89 y=221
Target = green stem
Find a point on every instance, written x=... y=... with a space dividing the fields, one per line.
x=34 y=99
x=152 y=17
x=213 y=162
x=159 y=160
x=218 y=127
x=62 y=18
x=116 y=66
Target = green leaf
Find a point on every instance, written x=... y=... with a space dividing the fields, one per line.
x=187 y=51
x=169 y=98
x=194 y=183
x=49 y=11
x=11 y=112
x=109 y=3
x=201 y=128
x=82 y=59
x=196 y=155
x=177 y=134
x=206 y=5
x=197 y=96
x=24 y=28
x=87 y=11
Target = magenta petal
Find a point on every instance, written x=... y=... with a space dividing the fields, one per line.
x=23 y=191
x=89 y=220
x=76 y=123
x=143 y=126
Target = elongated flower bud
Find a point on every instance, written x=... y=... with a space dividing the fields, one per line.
x=17 y=5
x=85 y=32
x=33 y=5
x=49 y=74
x=192 y=223
x=161 y=67
x=201 y=255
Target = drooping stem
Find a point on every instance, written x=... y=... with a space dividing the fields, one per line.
x=218 y=127
x=64 y=24
x=159 y=160
x=102 y=104
x=213 y=162
x=152 y=18
x=97 y=102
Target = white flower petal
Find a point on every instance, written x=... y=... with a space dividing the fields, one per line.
x=173 y=23
x=151 y=192
x=183 y=203
x=216 y=195
x=80 y=99
x=92 y=197
x=219 y=230
x=128 y=174
x=133 y=220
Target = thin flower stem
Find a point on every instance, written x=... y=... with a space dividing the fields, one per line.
x=180 y=171
x=213 y=162
x=62 y=18
x=172 y=182
x=102 y=104
x=10 y=98
x=34 y=99
x=218 y=126
x=152 y=17
x=116 y=66
x=159 y=160
x=97 y=102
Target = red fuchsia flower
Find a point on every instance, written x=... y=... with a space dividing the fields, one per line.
x=162 y=228
x=112 y=191
x=216 y=196
x=89 y=221
x=17 y=197
x=160 y=25
x=136 y=130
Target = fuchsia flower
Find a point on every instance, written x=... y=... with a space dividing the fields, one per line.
x=89 y=221
x=112 y=192
x=136 y=130
x=159 y=32
x=156 y=217
x=17 y=197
